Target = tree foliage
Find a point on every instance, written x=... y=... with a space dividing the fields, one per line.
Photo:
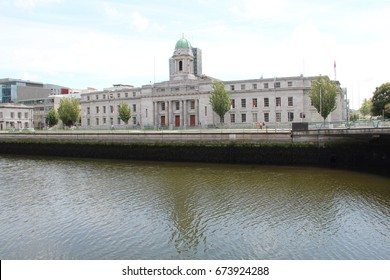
x=380 y=99
x=323 y=95
x=69 y=111
x=124 y=112
x=52 y=117
x=219 y=100
x=366 y=107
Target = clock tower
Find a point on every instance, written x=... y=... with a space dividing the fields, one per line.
x=182 y=63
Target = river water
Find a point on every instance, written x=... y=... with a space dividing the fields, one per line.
x=57 y=208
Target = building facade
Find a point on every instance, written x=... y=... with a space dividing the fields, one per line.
x=15 y=116
x=183 y=101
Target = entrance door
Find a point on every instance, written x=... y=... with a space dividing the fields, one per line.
x=177 y=121
x=192 y=120
x=162 y=121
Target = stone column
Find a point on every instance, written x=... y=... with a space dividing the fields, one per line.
x=198 y=111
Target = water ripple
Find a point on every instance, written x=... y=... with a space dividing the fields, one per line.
x=104 y=209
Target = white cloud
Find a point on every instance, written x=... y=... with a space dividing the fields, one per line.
x=140 y=22
x=257 y=9
x=111 y=11
x=30 y=4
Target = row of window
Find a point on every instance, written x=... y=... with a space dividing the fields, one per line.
x=110 y=121
x=278 y=102
x=266 y=117
x=111 y=109
x=12 y=115
x=111 y=95
x=265 y=85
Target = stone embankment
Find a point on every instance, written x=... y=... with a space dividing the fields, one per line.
x=363 y=150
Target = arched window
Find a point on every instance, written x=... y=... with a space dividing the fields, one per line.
x=180 y=65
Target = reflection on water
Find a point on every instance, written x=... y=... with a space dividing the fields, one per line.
x=54 y=208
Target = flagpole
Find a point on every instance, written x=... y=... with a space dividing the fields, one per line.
x=334 y=66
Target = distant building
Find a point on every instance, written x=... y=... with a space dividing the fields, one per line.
x=15 y=90
x=183 y=101
x=15 y=116
x=42 y=106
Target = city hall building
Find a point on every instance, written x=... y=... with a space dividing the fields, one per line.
x=183 y=101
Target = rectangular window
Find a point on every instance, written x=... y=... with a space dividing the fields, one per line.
x=254 y=102
x=231 y=87
x=88 y=110
x=104 y=121
x=97 y=121
x=278 y=101
x=177 y=104
x=88 y=98
x=205 y=110
x=266 y=102
x=88 y=122
x=278 y=117
x=104 y=109
x=97 y=97
x=192 y=104
x=162 y=106
x=126 y=94
x=254 y=86
x=243 y=118
x=134 y=120
x=290 y=101
x=289 y=84
x=290 y=116
x=134 y=107
x=265 y=85
x=118 y=107
x=266 y=117
x=243 y=103
x=119 y=121
x=97 y=109
x=232 y=118
x=134 y=93
x=111 y=109
x=242 y=87
x=111 y=121
x=232 y=103
x=19 y=115
x=277 y=85
x=12 y=115
x=104 y=96
x=254 y=117
x=26 y=115
x=1 y=115
x=119 y=95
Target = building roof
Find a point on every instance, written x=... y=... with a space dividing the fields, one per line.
x=183 y=43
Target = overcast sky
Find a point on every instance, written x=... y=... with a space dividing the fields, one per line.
x=88 y=43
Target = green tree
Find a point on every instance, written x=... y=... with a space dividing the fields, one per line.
x=219 y=100
x=52 y=117
x=124 y=112
x=323 y=95
x=380 y=99
x=366 y=107
x=69 y=111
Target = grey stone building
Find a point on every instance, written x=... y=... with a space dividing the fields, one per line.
x=183 y=100
x=15 y=116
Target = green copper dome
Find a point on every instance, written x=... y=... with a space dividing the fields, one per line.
x=183 y=44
